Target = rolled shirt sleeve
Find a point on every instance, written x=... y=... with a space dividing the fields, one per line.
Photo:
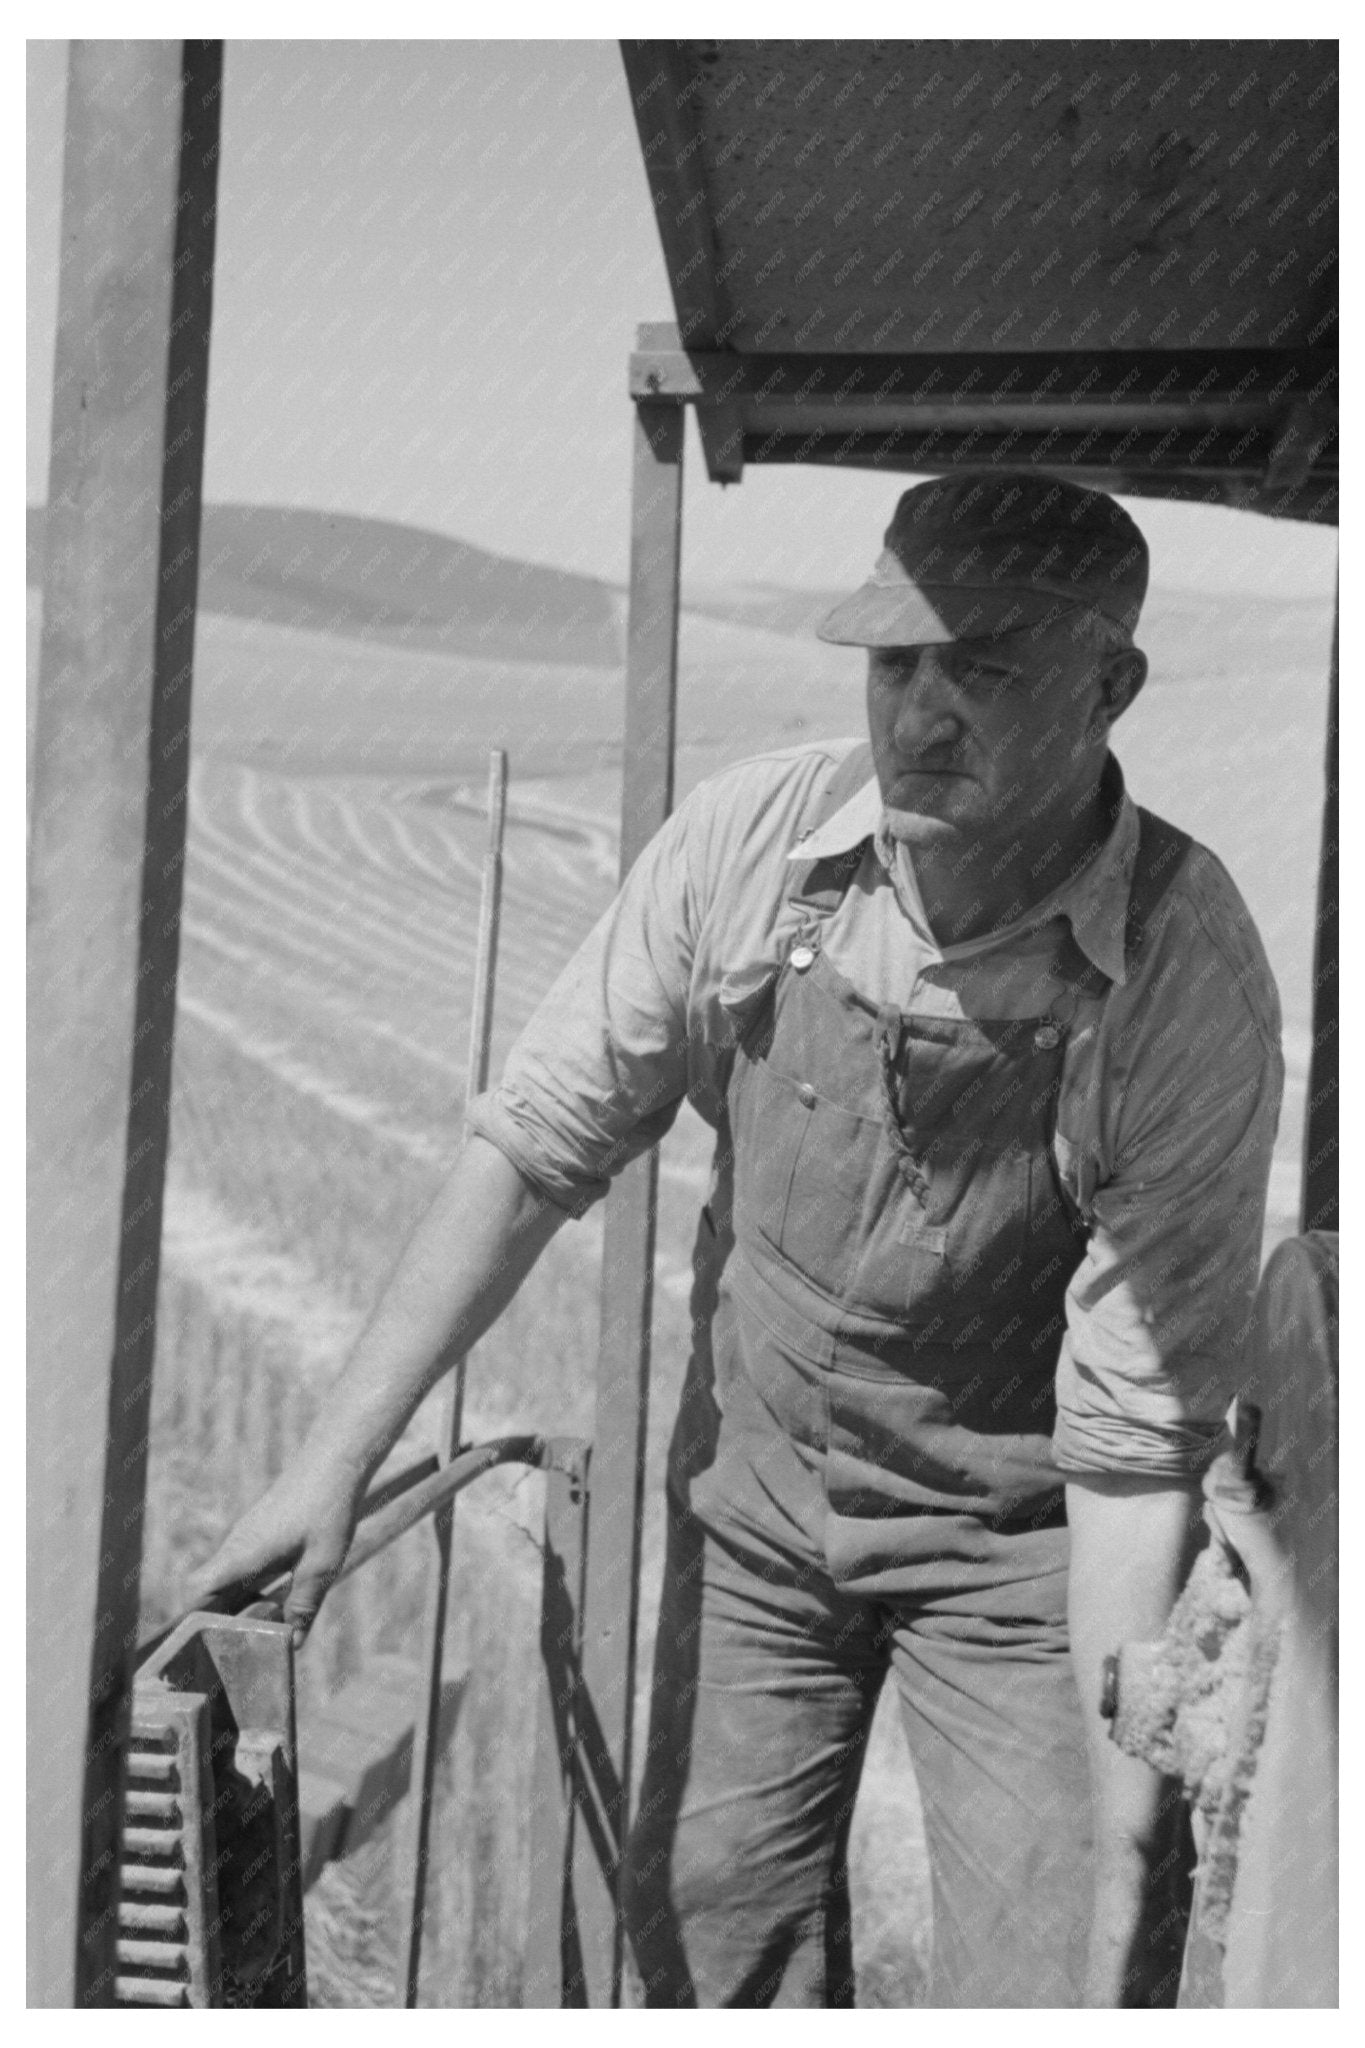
x=1158 y=1311
x=641 y=1015
x=598 y=1073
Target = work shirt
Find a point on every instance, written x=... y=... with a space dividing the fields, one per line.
x=1167 y=1109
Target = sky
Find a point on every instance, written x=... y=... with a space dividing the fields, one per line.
x=432 y=257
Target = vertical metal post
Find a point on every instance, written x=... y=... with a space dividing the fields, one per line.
x=108 y=832
x=1321 y=1158
x=554 y=1969
x=612 y=1595
x=414 y=1847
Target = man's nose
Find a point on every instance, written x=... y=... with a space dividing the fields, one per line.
x=928 y=709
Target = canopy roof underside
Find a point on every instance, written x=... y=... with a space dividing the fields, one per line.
x=999 y=211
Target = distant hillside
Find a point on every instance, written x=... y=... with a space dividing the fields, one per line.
x=402 y=586
x=379 y=584
x=374 y=580
x=1177 y=618
x=767 y=607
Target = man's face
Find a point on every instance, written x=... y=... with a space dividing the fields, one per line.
x=982 y=739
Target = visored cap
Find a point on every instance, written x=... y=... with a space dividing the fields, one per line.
x=985 y=552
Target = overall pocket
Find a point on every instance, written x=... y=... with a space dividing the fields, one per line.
x=769 y=1130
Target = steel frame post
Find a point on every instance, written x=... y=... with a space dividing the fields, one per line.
x=612 y=1596
x=107 y=848
x=415 y=1836
x=554 y=1969
x=1321 y=1171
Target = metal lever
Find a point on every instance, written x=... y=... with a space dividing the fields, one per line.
x=388 y=1512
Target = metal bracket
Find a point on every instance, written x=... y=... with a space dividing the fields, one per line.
x=566 y=1454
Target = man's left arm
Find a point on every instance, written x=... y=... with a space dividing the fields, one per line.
x=1132 y=1542
x=1157 y=1319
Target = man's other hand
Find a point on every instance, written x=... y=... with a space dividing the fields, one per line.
x=1132 y=1542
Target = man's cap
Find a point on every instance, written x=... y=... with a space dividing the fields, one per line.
x=985 y=552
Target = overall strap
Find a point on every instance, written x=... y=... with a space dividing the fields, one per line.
x=1161 y=853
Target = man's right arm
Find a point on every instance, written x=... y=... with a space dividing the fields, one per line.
x=594 y=1079
x=471 y=1252
x=594 y=1076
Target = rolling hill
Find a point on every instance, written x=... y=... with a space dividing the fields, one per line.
x=380 y=583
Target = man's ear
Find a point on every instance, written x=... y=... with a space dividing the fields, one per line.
x=1124 y=675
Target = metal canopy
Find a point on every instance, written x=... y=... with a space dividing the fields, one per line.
x=1112 y=259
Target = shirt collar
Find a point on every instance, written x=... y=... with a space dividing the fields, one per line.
x=1094 y=901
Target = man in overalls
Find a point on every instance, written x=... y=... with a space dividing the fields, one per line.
x=992 y=1058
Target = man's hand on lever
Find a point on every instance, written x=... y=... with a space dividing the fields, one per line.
x=466 y=1260
x=305 y=1522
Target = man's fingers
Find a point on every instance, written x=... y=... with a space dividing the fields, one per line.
x=235 y=1564
x=220 y=1571
x=313 y=1575
x=310 y=1531
x=237 y=1560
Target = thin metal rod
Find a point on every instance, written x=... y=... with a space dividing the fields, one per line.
x=415 y=1842
x=434 y=1495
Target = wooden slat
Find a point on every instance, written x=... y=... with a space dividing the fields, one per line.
x=612 y=1595
x=108 y=827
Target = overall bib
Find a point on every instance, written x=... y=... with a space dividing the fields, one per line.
x=868 y=1485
